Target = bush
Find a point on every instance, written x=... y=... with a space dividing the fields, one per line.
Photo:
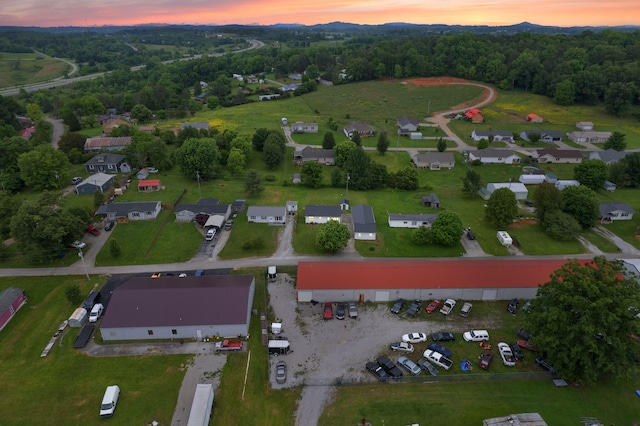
x=253 y=244
x=476 y=162
x=270 y=178
x=73 y=294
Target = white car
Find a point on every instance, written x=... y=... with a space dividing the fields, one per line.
x=447 y=307
x=506 y=354
x=414 y=337
x=78 y=244
x=402 y=347
x=476 y=335
x=152 y=170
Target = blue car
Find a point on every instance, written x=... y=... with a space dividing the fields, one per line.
x=441 y=349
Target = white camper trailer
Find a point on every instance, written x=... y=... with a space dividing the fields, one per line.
x=504 y=238
x=271 y=271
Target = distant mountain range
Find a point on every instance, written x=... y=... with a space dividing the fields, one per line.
x=349 y=28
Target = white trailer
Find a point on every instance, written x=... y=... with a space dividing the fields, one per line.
x=271 y=272
x=504 y=238
x=201 y=406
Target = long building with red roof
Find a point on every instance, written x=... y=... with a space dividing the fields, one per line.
x=382 y=281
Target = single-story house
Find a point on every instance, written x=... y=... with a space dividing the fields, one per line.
x=149 y=185
x=99 y=182
x=474 y=115
x=187 y=212
x=109 y=125
x=364 y=222
x=609 y=186
x=131 y=211
x=517 y=188
x=107 y=143
x=27 y=133
x=565 y=183
x=534 y=118
x=584 y=125
x=434 y=160
x=273 y=215
x=615 y=211
x=363 y=129
x=459 y=279
x=415 y=220
x=430 y=200
x=144 y=308
x=322 y=156
x=407 y=125
x=494 y=156
x=11 y=299
x=300 y=127
x=560 y=156
x=609 y=156
x=497 y=135
x=591 y=137
x=547 y=136
x=197 y=126
x=108 y=162
x=321 y=213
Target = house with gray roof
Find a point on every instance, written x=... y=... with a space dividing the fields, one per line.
x=609 y=156
x=322 y=156
x=430 y=200
x=99 y=182
x=497 y=135
x=547 y=136
x=434 y=160
x=108 y=162
x=300 y=127
x=273 y=215
x=321 y=213
x=107 y=143
x=615 y=211
x=400 y=220
x=363 y=129
x=406 y=125
x=591 y=137
x=187 y=212
x=364 y=222
x=584 y=125
x=144 y=308
x=135 y=210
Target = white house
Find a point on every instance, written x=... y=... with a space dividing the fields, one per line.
x=135 y=210
x=274 y=215
x=584 y=125
x=364 y=223
x=516 y=187
x=399 y=220
x=615 y=211
x=498 y=135
x=300 y=127
x=590 y=136
x=494 y=156
x=321 y=213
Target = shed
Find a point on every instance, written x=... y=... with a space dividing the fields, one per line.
x=344 y=204
x=78 y=318
x=531 y=179
x=99 y=182
x=550 y=177
x=238 y=205
x=415 y=136
x=149 y=185
x=296 y=178
x=534 y=118
x=517 y=188
x=215 y=221
x=431 y=200
x=11 y=299
x=609 y=186
x=292 y=207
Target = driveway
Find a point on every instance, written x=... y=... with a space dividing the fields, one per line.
x=622 y=245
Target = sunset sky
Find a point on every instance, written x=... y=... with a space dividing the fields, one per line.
x=48 y=13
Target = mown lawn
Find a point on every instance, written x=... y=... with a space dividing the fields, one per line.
x=18 y=69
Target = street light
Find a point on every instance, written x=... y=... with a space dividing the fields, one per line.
x=348 y=179
x=83 y=265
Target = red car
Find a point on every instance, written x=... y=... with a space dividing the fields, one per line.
x=433 y=306
x=485 y=361
x=328 y=310
x=524 y=344
x=93 y=231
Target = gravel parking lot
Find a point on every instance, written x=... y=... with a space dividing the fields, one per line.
x=325 y=352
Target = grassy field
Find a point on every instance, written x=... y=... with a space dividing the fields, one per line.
x=19 y=69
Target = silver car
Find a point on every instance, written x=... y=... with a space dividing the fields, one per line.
x=409 y=365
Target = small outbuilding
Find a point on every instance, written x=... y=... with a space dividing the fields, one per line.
x=534 y=118
x=517 y=188
x=149 y=185
x=99 y=182
x=78 y=318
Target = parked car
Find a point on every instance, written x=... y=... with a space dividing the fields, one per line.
x=109 y=226
x=523 y=334
x=466 y=308
x=182 y=275
x=512 y=307
x=542 y=362
x=93 y=231
x=485 y=361
x=442 y=337
x=439 y=348
x=525 y=344
x=228 y=225
x=402 y=347
x=438 y=359
x=340 y=311
x=507 y=356
x=211 y=234
x=414 y=308
x=433 y=306
x=328 y=310
x=388 y=365
x=76 y=180
x=281 y=372
x=414 y=337
x=427 y=366
x=409 y=365
x=377 y=371
x=527 y=306
x=515 y=350
x=78 y=244
x=447 y=307
x=528 y=203
x=353 y=310
x=471 y=235
x=397 y=307
x=476 y=335
x=152 y=170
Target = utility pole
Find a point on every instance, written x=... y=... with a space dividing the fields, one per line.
x=198 y=175
x=83 y=265
x=348 y=178
x=429 y=108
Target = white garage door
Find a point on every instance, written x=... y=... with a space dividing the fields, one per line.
x=489 y=294
x=382 y=296
x=305 y=296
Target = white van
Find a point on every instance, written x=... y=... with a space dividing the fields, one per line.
x=96 y=311
x=476 y=335
x=109 y=401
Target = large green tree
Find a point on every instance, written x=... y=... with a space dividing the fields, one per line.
x=10 y=151
x=311 y=174
x=591 y=173
x=616 y=141
x=273 y=151
x=546 y=199
x=333 y=236
x=471 y=183
x=502 y=207
x=328 y=141
x=259 y=137
x=383 y=143
x=253 y=183
x=447 y=229
x=43 y=168
x=581 y=203
x=631 y=163
x=581 y=319
x=561 y=226
x=342 y=150
x=618 y=97
x=198 y=157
